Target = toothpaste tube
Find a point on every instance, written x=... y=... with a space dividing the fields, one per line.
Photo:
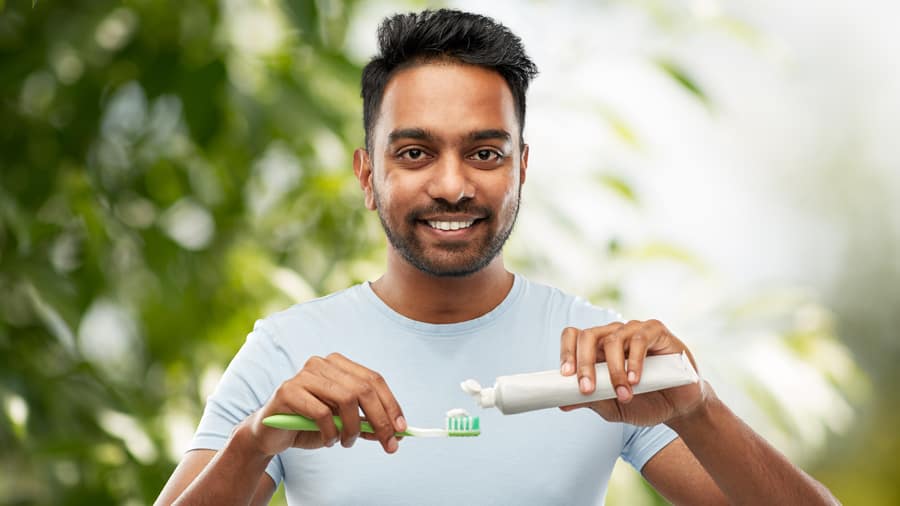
x=550 y=389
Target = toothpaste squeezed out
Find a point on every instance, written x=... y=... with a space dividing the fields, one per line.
x=457 y=412
x=549 y=389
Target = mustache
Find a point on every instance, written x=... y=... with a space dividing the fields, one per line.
x=464 y=207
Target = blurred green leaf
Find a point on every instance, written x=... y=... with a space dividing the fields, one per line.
x=660 y=250
x=683 y=78
x=618 y=186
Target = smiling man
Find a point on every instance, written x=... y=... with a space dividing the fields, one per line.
x=444 y=164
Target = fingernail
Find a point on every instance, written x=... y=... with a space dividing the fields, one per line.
x=400 y=423
x=331 y=442
x=622 y=392
x=392 y=445
x=567 y=368
x=352 y=441
x=585 y=384
x=632 y=377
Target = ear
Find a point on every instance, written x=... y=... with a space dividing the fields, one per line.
x=523 y=164
x=362 y=167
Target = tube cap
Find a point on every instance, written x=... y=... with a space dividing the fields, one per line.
x=486 y=398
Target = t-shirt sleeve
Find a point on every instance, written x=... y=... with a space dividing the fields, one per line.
x=642 y=443
x=248 y=382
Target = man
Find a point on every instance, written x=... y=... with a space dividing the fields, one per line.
x=444 y=110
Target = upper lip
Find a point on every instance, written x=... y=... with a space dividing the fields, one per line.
x=452 y=218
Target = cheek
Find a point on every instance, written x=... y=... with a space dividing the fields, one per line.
x=511 y=195
x=393 y=190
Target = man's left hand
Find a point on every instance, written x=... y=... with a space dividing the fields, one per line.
x=619 y=344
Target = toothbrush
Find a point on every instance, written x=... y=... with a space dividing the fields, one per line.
x=457 y=425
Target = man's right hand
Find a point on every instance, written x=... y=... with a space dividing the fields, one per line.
x=334 y=385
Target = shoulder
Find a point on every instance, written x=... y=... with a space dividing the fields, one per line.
x=575 y=309
x=339 y=303
x=314 y=327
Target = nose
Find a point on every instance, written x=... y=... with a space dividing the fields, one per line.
x=450 y=181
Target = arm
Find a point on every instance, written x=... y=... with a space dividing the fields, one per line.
x=323 y=387
x=724 y=451
x=744 y=466
x=218 y=478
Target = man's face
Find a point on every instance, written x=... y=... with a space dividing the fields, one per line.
x=446 y=167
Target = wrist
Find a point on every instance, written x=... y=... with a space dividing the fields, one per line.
x=701 y=415
x=243 y=443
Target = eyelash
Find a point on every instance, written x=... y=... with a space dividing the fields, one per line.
x=403 y=154
x=497 y=155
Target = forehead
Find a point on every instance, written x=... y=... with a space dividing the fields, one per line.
x=449 y=99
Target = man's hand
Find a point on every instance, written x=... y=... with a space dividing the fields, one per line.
x=623 y=347
x=323 y=388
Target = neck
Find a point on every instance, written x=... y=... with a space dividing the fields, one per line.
x=433 y=299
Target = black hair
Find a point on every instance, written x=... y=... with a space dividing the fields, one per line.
x=414 y=38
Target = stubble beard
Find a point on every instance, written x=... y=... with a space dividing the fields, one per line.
x=453 y=259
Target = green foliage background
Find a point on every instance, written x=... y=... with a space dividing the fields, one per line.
x=83 y=196
x=120 y=122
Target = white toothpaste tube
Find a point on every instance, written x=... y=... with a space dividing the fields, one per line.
x=550 y=389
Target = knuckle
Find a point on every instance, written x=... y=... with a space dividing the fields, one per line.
x=333 y=356
x=282 y=390
x=312 y=362
x=364 y=390
x=613 y=338
x=344 y=399
x=319 y=413
x=376 y=378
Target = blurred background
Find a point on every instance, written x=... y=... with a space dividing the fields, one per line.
x=171 y=173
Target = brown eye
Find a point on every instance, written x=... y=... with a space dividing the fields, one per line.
x=414 y=154
x=485 y=155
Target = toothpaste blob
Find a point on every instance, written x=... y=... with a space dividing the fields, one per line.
x=457 y=412
x=519 y=393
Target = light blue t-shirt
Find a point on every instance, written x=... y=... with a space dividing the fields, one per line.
x=542 y=457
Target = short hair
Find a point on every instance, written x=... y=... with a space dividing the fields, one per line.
x=409 y=39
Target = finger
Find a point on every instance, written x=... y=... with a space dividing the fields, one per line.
x=663 y=342
x=327 y=385
x=599 y=334
x=369 y=387
x=586 y=358
x=572 y=407
x=614 y=349
x=341 y=389
x=378 y=418
x=296 y=397
x=388 y=400
x=637 y=352
x=567 y=343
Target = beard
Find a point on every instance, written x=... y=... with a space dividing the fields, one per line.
x=450 y=258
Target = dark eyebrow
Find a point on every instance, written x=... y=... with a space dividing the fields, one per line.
x=410 y=133
x=424 y=135
x=491 y=134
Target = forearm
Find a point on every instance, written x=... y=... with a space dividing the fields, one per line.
x=231 y=477
x=744 y=466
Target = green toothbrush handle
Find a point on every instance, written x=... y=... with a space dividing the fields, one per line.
x=300 y=422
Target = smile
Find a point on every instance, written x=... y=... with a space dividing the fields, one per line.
x=450 y=225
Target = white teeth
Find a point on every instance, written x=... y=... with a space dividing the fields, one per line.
x=450 y=225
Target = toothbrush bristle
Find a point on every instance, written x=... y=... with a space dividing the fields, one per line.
x=463 y=426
